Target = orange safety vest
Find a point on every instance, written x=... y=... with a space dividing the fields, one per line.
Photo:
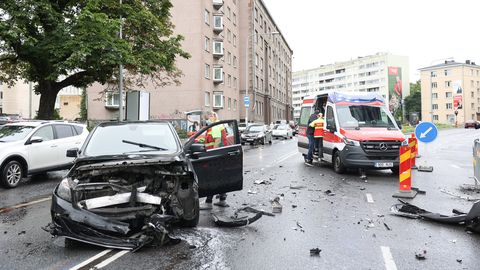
x=318 y=132
x=210 y=141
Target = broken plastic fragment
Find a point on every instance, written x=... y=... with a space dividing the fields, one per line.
x=315 y=252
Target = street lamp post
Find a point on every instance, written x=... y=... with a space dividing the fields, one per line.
x=120 y=77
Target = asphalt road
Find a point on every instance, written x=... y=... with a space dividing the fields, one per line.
x=348 y=227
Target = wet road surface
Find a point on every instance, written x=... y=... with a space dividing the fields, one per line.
x=353 y=228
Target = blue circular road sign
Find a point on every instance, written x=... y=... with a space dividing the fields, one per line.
x=426 y=132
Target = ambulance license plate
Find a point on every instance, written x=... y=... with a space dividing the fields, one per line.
x=384 y=164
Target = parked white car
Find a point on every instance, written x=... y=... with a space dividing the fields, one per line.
x=282 y=131
x=33 y=147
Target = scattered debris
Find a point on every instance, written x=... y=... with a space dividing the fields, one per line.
x=294 y=206
x=5 y=232
x=297 y=187
x=453 y=241
x=192 y=247
x=276 y=206
x=252 y=191
x=386 y=226
x=421 y=255
x=379 y=215
x=459 y=260
x=22 y=232
x=299 y=225
x=329 y=192
x=280 y=166
x=419 y=191
x=459 y=196
x=262 y=182
x=362 y=188
x=315 y=252
x=238 y=221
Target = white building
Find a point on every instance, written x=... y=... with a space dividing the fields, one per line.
x=364 y=74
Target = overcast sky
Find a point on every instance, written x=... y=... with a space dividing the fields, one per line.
x=326 y=31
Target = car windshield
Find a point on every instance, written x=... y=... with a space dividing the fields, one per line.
x=255 y=128
x=151 y=138
x=357 y=116
x=14 y=133
x=280 y=127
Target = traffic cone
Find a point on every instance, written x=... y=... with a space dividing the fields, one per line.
x=405 y=175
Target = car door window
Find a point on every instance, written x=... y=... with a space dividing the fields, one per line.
x=218 y=136
x=46 y=133
x=330 y=118
x=78 y=129
x=63 y=131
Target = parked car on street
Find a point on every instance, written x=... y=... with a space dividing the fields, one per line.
x=257 y=133
x=33 y=147
x=472 y=124
x=132 y=180
x=282 y=131
x=242 y=127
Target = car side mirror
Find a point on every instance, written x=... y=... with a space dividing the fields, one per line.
x=72 y=152
x=197 y=148
x=36 y=139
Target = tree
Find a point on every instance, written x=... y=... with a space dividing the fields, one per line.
x=83 y=106
x=60 y=43
x=413 y=103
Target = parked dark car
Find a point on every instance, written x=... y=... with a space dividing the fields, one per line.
x=472 y=124
x=132 y=180
x=257 y=134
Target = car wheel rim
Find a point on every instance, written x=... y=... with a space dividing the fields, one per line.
x=14 y=174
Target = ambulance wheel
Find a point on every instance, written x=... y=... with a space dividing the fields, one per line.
x=395 y=170
x=338 y=166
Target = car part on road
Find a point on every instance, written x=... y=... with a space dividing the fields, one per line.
x=425 y=168
x=421 y=255
x=276 y=206
x=470 y=220
x=459 y=196
x=238 y=221
x=315 y=251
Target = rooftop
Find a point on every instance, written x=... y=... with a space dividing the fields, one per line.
x=450 y=63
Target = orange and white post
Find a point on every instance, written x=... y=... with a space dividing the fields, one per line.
x=412 y=142
x=405 y=175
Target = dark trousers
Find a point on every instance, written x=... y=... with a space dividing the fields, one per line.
x=222 y=197
x=319 y=146
x=311 y=147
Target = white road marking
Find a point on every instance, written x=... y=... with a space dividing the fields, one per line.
x=111 y=259
x=455 y=166
x=369 y=198
x=25 y=204
x=285 y=158
x=388 y=258
x=87 y=261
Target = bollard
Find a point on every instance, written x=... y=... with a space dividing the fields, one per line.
x=405 y=175
x=412 y=142
x=417 y=154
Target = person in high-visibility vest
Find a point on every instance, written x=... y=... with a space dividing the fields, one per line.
x=215 y=137
x=311 y=138
x=318 y=133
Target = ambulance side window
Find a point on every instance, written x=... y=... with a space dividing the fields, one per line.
x=305 y=115
x=330 y=119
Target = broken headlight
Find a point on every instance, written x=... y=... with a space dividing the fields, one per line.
x=351 y=142
x=405 y=142
x=64 y=191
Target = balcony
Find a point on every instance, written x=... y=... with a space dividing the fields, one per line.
x=217 y=3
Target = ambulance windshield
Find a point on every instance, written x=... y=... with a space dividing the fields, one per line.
x=358 y=116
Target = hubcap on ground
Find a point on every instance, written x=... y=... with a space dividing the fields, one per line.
x=14 y=174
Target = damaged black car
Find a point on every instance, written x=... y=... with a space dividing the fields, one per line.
x=132 y=181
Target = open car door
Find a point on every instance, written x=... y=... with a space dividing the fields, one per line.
x=220 y=167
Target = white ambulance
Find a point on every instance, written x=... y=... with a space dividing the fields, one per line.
x=359 y=131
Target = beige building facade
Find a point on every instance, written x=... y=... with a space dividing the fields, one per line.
x=214 y=75
x=450 y=87
x=19 y=99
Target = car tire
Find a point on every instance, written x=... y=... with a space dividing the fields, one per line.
x=270 y=142
x=338 y=165
x=395 y=170
x=192 y=222
x=12 y=174
x=263 y=141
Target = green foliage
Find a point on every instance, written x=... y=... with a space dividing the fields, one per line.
x=60 y=43
x=413 y=103
x=83 y=106
x=181 y=133
x=56 y=115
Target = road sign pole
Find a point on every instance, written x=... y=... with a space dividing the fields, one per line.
x=426 y=133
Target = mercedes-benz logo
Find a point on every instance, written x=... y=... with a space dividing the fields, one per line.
x=383 y=147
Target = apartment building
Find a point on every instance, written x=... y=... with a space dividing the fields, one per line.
x=381 y=73
x=216 y=35
x=450 y=92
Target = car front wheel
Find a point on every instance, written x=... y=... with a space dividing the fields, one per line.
x=338 y=166
x=12 y=174
x=192 y=222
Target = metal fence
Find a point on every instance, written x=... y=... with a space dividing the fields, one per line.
x=476 y=161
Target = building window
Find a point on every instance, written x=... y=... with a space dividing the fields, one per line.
x=255 y=14
x=229 y=80
x=472 y=84
x=448 y=83
x=229 y=13
x=229 y=58
x=256 y=37
x=218 y=99
x=472 y=94
x=235 y=82
x=473 y=106
x=434 y=106
x=207 y=71
x=229 y=35
x=234 y=40
x=218 y=74
x=434 y=95
x=448 y=94
x=234 y=61
x=218 y=47
x=234 y=19
x=447 y=72
x=218 y=22
x=256 y=60
x=448 y=106
x=434 y=84
x=234 y=105
x=112 y=99
x=207 y=44
x=207 y=99
x=229 y=106
x=435 y=117
x=207 y=17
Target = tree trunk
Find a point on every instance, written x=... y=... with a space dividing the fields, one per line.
x=48 y=95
